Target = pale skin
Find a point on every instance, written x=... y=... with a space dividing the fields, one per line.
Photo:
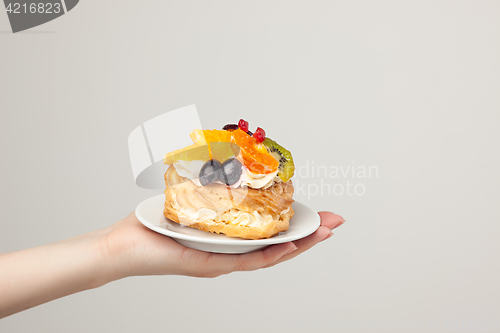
x=38 y=275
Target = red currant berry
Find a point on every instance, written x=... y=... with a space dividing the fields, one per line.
x=243 y=125
x=259 y=135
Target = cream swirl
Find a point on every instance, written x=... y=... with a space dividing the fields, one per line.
x=191 y=170
x=192 y=208
x=237 y=217
x=255 y=180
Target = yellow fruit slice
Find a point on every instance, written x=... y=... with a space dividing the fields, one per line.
x=203 y=136
x=189 y=153
x=222 y=151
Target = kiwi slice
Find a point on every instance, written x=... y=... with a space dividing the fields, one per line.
x=286 y=167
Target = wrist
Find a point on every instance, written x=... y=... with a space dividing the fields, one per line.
x=99 y=260
x=113 y=249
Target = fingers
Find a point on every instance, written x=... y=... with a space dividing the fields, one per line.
x=215 y=264
x=255 y=260
x=224 y=263
x=319 y=235
x=331 y=220
x=304 y=244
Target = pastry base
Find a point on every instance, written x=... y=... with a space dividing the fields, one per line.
x=271 y=202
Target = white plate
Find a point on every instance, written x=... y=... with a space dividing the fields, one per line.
x=150 y=213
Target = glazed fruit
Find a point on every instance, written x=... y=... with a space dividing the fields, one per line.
x=222 y=151
x=243 y=125
x=230 y=127
x=231 y=171
x=255 y=155
x=189 y=153
x=210 y=172
x=259 y=135
x=286 y=166
x=201 y=137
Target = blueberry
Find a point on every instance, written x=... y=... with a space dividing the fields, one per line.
x=210 y=172
x=231 y=171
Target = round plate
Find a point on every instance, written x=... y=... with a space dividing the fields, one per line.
x=150 y=212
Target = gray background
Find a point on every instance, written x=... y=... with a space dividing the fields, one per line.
x=409 y=87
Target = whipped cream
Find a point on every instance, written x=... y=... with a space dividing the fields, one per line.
x=238 y=217
x=188 y=169
x=191 y=210
x=255 y=180
x=194 y=215
x=191 y=170
x=189 y=215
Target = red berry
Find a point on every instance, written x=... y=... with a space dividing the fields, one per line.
x=259 y=135
x=243 y=125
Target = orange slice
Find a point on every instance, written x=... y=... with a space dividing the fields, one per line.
x=201 y=137
x=255 y=155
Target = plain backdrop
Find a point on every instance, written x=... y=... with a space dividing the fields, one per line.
x=411 y=88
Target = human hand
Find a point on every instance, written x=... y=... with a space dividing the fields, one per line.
x=126 y=248
x=132 y=249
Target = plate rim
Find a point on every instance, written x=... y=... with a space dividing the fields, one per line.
x=229 y=240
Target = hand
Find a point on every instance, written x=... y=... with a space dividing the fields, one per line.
x=133 y=249
x=127 y=248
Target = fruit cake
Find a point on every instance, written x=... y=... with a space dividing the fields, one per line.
x=231 y=182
